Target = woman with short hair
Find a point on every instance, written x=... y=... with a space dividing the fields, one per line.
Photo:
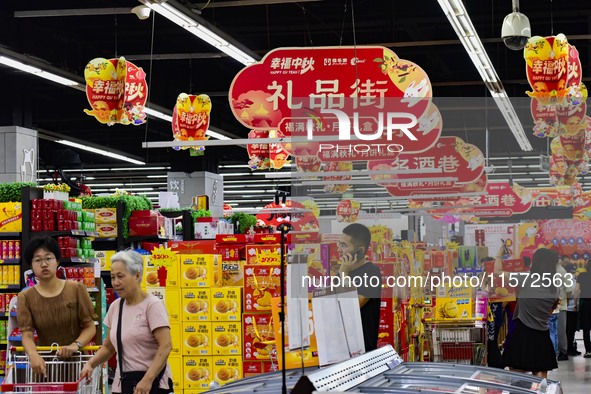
x=144 y=332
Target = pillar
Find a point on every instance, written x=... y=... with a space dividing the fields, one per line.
x=19 y=148
x=189 y=185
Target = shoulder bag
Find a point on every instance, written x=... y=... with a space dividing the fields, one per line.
x=130 y=379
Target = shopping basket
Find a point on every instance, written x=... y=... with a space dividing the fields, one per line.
x=63 y=374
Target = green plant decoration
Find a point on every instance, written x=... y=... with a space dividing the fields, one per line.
x=131 y=203
x=12 y=192
x=245 y=220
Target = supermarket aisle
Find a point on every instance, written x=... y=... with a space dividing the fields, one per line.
x=575 y=375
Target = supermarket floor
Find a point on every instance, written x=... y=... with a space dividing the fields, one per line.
x=574 y=374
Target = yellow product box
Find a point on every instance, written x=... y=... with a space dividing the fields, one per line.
x=453 y=303
x=226 y=338
x=197 y=372
x=176 y=369
x=176 y=337
x=226 y=369
x=11 y=217
x=196 y=339
x=232 y=273
x=196 y=305
x=201 y=270
x=105 y=215
x=162 y=268
x=171 y=298
x=10 y=279
x=5 y=275
x=104 y=257
x=106 y=230
x=226 y=304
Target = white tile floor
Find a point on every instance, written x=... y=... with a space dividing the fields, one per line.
x=574 y=374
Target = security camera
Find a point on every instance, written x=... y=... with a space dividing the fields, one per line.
x=516 y=29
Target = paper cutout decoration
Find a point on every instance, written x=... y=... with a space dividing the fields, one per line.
x=348 y=211
x=190 y=118
x=116 y=90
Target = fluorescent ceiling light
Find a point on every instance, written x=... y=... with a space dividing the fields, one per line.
x=158 y=114
x=99 y=151
x=462 y=24
x=36 y=71
x=178 y=17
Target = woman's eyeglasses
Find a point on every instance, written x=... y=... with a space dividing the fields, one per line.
x=48 y=260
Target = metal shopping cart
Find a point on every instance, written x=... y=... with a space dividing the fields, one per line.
x=460 y=342
x=63 y=375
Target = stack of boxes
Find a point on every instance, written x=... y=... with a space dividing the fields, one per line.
x=10 y=249
x=75 y=247
x=58 y=215
x=261 y=284
x=204 y=319
x=106 y=222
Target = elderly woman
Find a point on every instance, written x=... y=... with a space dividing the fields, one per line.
x=141 y=322
x=59 y=310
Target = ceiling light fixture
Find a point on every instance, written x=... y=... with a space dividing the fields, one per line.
x=36 y=71
x=462 y=24
x=177 y=14
x=99 y=151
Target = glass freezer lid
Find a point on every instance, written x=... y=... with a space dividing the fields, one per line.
x=424 y=384
x=468 y=372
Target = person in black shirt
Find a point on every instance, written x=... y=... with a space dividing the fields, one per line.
x=353 y=246
x=583 y=301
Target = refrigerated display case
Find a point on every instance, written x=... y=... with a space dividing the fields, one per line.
x=390 y=374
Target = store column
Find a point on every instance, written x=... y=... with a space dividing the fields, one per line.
x=189 y=185
x=19 y=148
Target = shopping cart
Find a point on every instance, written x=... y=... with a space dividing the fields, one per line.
x=63 y=374
x=460 y=342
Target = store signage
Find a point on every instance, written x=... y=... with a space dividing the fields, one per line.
x=570 y=237
x=296 y=214
x=190 y=118
x=366 y=94
x=116 y=90
x=449 y=158
x=547 y=65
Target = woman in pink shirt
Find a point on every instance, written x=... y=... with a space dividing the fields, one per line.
x=145 y=331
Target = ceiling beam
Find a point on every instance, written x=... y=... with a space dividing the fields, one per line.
x=72 y=12
x=240 y=3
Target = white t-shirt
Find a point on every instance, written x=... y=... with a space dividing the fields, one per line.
x=140 y=345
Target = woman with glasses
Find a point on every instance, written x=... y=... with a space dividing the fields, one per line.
x=59 y=310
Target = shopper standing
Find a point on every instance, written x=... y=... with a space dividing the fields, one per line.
x=563 y=291
x=353 y=246
x=144 y=330
x=572 y=315
x=530 y=348
x=583 y=300
x=59 y=310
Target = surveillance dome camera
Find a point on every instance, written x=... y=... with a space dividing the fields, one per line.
x=516 y=31
x=141 y=11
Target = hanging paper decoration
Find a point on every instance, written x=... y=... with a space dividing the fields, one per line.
x=546 y=61
x=190 y=119
x=339 y=186
x=347 y=211
x=116 y=90
x=294 y=213
x=266 y=156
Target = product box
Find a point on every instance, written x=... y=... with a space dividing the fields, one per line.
x=193 y=247
x=162 y=269
x=269 y=366
x=258 y=336
x=386 y=326
x=251 y=368
x=197 y=372
x=226 y=304
x=176 y=337
x=226 y=369
x=196 y=304
x=303 y=238
x=176 y=369
x=329 y=254
x=105 y=215
x=172 y=300
x=267 y=238
x=261 y=284
x=231 y=239
x=200 y=270
x=232 y=252
x=11 y=214
x=226 y=338
x=206 y=230
x=454 y=303
x=106 y=230
x=146 y=223
x=233 y=273
x=268 y=254
x=196 y=339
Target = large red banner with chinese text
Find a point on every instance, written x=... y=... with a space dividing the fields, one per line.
x=290 y=89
